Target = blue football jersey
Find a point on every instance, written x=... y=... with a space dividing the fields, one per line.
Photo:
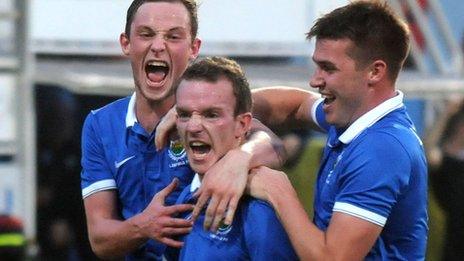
x=376 y=170
x=117 y=153
x=255 y=234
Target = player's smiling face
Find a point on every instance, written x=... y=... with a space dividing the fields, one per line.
x=206 y=121
x=159 y=46
x=343 y=86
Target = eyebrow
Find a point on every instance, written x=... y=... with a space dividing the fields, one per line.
x=323 y=62
x=148 y=27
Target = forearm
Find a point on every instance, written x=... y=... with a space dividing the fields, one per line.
x=307 y=240
x=112 y=238
x=263 y=148
x=283 y=106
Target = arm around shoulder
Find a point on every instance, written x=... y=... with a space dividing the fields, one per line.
x=284 y=106
x=346 y=238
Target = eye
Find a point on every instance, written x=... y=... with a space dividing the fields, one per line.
x=173 y=36
x=182 y=115
x=145 y=34
x=211 y=115
x=328 y=68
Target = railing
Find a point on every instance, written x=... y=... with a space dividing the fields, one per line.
x=442 y=46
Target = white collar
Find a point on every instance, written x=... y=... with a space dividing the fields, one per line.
x=131 y=118
x=371 y=117
x=196 y=183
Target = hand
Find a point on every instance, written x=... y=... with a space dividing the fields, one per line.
x=166 y=126
x=223 y=184
x=159 y=223
x=264 y=182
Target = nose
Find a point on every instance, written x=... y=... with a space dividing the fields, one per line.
x=158 y=44
x=317 y=81
x=194 y=124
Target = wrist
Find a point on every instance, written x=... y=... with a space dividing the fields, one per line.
x=280 y=193
x=244 y=155
x=138 y=223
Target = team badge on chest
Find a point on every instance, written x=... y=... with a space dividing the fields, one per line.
x=177 y=153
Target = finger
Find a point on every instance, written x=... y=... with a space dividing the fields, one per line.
x=161 y=137
x=164 y=128
x=198 y=192
x=219 y=214
x=171 y=242
x=199 y=206
x=177 y=223
x=160 y=140
x=231 y=210
x=176 y=231
x=175 y=209
x=162 y=194
x=212 y=205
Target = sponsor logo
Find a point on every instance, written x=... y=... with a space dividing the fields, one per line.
x=118 y=164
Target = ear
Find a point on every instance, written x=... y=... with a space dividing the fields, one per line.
x=377 y=72
x=242 y=124
x=195 y=49
x=125 y=43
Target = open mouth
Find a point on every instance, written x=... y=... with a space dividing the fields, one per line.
x=199 y=148
x=156 y=71
x=328 y=99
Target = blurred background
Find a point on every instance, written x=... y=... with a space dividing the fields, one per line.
x=61 y=58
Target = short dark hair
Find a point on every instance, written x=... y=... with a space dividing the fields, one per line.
x=376 y=31
x=190 y=5
x=211 y=69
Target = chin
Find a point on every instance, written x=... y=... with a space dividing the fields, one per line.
x=199 y=169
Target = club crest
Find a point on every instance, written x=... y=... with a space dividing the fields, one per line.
x=223 y=228
x=176 y=150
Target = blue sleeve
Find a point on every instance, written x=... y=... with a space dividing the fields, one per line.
x=377 y=172
x=264 y=234
x=318 y=115
x=96 y=174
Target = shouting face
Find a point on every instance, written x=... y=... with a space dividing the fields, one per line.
x=160 y=47
x=206 y=121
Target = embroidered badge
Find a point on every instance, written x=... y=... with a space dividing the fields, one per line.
x=221 y=233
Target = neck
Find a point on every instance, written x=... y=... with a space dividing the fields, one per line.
x=149 y=113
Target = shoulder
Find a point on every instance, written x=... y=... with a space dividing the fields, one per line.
x=257 y=214
x=394 y=133
x=111 y=114
x=118 y=107
x=254 y=205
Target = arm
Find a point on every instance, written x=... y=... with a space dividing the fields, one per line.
x=347 y=237
x=284 y=107
x=273 y=106
x=111 y=237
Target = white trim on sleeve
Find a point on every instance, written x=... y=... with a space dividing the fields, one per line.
x=360 y=213
x=98 y=186
x=313 y=111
